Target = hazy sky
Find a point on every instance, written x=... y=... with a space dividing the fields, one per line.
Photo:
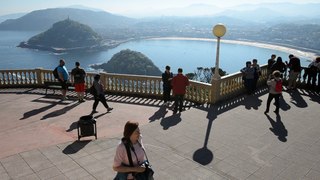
x=122 y=6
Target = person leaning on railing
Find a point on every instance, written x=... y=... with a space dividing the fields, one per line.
x=311 y=73
x=295 y=69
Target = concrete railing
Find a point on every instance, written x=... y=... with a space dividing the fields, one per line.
x=135 y=85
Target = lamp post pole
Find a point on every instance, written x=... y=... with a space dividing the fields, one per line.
x=218 y=30
x=216 y=75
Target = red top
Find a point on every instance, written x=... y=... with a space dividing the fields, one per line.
x=179 y=84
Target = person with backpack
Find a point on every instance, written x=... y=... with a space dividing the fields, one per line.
x=99 y=95
x=78 y=75
x=63 y=77
x=275 y=89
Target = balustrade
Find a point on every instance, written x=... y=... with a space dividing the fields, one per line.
x=137 y=85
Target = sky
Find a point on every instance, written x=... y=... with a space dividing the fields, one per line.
x=123 y=6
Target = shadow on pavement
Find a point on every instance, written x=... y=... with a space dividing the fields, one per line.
x=59 y=112
x=278 y=128
x=75 y=147
x=170 y=121
x=204 y=155
x=297 y=99
x=161 y=113
x=34 y=112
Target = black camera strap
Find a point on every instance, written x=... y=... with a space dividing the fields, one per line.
x=127 y=145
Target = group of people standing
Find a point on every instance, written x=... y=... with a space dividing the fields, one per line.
x=311 y=73
x=178 y=85
x=78 y=76
x=250 y=75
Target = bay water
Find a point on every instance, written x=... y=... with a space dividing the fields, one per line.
x=187 y=54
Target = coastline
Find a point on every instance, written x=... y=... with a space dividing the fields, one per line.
x=297 y=52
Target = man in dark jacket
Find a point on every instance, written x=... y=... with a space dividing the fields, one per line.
x=295 y=69
x=166 y=80
x=179 y=84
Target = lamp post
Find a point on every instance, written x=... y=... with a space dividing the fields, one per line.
x=218 y=30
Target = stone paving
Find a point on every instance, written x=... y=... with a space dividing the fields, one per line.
x=230 y=140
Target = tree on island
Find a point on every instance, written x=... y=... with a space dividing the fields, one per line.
x=66 y=34
x=204 y=74
x=129 y=62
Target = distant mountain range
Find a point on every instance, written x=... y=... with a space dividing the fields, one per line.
x=263 y=22
x=43 y=19
x=265 y=13
x=11 y=16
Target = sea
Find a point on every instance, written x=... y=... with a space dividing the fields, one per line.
x=177 y=53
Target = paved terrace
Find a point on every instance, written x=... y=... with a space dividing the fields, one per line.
x=230 y=140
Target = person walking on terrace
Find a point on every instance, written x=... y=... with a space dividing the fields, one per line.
x=275 y=89
x=166 y=80
x=179 y=84
x=63 y=78
x=99 y=95
x=78 y=74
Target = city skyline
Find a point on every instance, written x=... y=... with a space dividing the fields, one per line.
x=127 y=7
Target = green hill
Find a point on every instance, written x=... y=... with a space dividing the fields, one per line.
x=129 y=62
x=66 y=34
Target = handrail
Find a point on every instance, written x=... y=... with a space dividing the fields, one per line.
x=138 y=85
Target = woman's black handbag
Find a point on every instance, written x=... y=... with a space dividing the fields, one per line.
x=147 y=174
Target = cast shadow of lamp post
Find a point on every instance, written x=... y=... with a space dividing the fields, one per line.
x=203 y=155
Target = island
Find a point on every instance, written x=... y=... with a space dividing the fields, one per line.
x=129 y=62
x=66 y=36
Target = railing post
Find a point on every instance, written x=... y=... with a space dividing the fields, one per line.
x=215 y=90
x=103 y=79
x=39 y=76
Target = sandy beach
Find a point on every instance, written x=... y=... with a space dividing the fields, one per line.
x=299 y=53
